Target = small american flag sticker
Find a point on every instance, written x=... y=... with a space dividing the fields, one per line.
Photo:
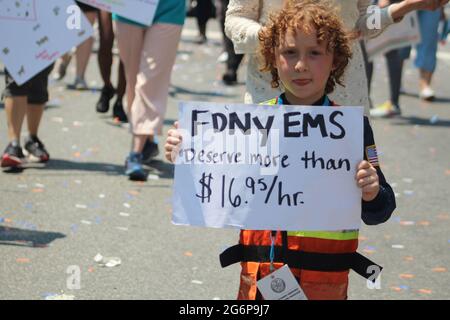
x=372 y=155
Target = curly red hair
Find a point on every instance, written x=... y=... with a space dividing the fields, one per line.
x=307 y=16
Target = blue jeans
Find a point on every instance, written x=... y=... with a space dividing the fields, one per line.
x=426 y=50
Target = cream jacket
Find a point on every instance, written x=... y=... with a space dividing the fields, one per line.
x=244 y=19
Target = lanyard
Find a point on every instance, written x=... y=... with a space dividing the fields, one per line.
x=326 y=102
x=273 y=235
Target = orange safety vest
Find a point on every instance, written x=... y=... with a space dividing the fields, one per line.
x=320 y=260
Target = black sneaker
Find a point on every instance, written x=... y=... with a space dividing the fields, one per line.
x=102 y=105
x=36 y=149
x=118 y=112
x=150 y=151
x=13 y=156
x=229 y=77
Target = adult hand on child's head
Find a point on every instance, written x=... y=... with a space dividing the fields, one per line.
x=173 y=142
x=367 y=179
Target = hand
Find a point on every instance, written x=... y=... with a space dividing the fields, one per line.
x=383 y=3
x=173 y=143
x=367 y=180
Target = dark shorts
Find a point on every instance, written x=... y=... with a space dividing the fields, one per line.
x=35 y=89
x=86 y=7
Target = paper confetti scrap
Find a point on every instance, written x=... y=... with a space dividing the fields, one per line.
x=23 y=260
x=81 y=206
x=197 y=282
x=407 y=223
x=60 y=297
x=124 y=214
x=439 y=269
x=86 y=222
x=107 y=261
x=127 y=205
x=188 y=254
x=122 y=228
x=408 y=258
x=398 y=246
x=425 y=291
x=424 y=223
x=406 y=276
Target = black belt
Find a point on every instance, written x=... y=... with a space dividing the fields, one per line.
x=327 y=262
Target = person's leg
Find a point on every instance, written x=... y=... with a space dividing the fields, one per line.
x=234 y=59
x=395 y=69
x=34 y=116
x=130 y=39
x=83 y=53
x=152 y=88
x=105 y=59
x=37 y=98
x=204 y=9
x=15 y=110
x=118 y=112
x=426 y=51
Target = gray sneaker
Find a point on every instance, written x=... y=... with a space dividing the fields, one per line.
x=133 y=167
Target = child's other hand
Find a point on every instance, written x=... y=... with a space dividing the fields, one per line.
x=367 y=180
x=173 y=142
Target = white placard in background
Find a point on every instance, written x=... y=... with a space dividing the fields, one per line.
x=398 y=35
x=34 y=33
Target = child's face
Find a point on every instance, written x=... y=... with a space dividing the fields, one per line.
x=304 y=67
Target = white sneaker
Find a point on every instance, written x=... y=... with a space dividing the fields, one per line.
x=223 y=57
x=80 y=84
x=427 y=94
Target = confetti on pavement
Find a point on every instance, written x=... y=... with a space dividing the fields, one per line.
x=425 y=291
x=408 y=258
x=197 y=282
x=398 y=246
x=23 y=260
x=406 y=276
x=108 y=262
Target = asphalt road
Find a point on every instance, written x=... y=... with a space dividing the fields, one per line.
x=56 y=219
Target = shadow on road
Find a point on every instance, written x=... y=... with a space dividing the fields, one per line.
x=179 y=90
x=27 y=238
x=160 y=168
x=436 y=99
x=413 y=120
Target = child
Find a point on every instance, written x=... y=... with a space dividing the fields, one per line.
x=306 y=48
x=27 y=99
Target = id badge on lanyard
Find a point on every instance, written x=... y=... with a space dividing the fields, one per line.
x=280 y=284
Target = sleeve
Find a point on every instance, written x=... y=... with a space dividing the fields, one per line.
x=367 y=18
x=242 y=26
x=380 y=209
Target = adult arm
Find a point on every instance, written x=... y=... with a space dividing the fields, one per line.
x=242 y=26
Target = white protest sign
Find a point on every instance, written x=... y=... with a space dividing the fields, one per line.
x=142 y=11
x=294 y=169
x=33 y=34
x=398 y=35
